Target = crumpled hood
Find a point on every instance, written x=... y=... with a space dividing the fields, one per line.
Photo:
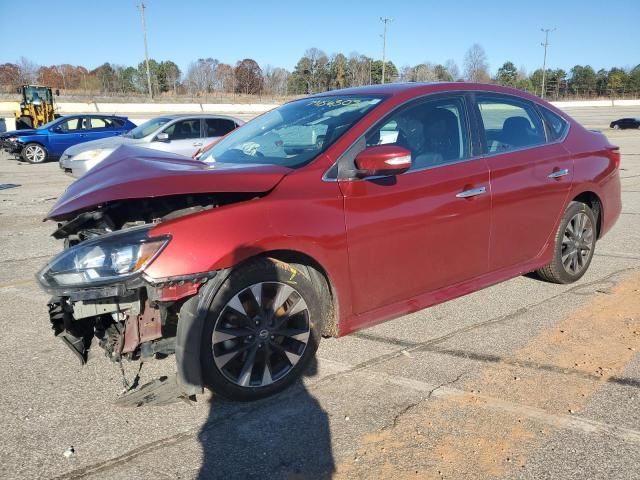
x=136 y=172
x=109 y=142
x=20 y=133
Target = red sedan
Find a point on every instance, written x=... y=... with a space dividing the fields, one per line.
x=324 y=216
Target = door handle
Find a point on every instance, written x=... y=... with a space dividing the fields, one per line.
x=197 y=144
x=472 y=192
x=559 y=173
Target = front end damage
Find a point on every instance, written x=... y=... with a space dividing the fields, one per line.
x=130 y=321
x=134 y=317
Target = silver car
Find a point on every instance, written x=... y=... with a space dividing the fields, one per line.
x=181 y=134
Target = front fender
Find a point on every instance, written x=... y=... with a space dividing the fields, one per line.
x=302 y=214
x=193 y=314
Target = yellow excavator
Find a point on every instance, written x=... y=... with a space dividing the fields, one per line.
x=36 y=106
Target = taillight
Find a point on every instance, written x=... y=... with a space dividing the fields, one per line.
x=614 y=155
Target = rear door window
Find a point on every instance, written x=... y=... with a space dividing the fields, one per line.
x=97 y=122
x=509 y=123
x=218 y=127
x=184 y=129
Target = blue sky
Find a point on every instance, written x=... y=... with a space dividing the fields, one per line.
x=91 y=32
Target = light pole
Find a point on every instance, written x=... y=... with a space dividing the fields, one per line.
x=544 y=62
x=384 y=20
x=146 y=48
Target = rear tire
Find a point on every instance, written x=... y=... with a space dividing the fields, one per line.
x=34 y=153
x=262 y=330
x=575 y=243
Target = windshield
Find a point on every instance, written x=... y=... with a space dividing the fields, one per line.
x=293 y=134
x=147 y=128
x=37 y=95
x=52 y=122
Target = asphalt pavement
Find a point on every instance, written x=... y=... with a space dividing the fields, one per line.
x=525 y=379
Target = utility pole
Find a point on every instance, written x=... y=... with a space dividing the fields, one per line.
x=544 y=62
x=384 y=20
x=146 y=48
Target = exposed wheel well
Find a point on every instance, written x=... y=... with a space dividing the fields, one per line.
x=595 y=204
x=319 y=277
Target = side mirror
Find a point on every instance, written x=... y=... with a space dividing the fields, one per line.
x=163 y=137
x=19 y=90
x=383 y=160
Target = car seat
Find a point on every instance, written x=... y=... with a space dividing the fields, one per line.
x=515 y=132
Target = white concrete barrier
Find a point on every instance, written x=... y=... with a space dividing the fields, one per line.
x=140 y=112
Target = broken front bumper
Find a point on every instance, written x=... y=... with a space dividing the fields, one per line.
x=132 y=320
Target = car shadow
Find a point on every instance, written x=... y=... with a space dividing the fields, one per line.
x=286 y=436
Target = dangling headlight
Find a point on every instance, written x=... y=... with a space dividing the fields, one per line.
x=106 y=259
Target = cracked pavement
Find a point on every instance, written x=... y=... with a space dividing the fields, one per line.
x=521 y=380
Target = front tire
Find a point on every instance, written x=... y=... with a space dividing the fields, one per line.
x=574 y=245
x=34 y=153
x=262 y=330
x=616 y=127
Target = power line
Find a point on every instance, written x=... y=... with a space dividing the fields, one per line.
x=146 y=48
x=384 y=20
x=544 y=62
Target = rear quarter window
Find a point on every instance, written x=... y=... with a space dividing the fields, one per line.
x=556 y=125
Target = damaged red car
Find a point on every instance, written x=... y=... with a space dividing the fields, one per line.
x=324 y=216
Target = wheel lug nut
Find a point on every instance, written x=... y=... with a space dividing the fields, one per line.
x=272 y=337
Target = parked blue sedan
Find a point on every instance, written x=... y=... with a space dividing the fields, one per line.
x=51 y=139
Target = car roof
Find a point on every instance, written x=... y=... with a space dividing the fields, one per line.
x=98 y=115
x=422 y=88
x=174 y=116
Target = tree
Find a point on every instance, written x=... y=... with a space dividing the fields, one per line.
x=311 y=73
x=338 y=71
x=390 y=74
x=248 y=77
x=224 y=78
x=168 y=76
x=633 y=79
x=201 y=75
x=507 y=74
x=476 y=68
x=125 y=79
x=9 y=75
x=28 y=71
x=442 y=74
x=358 y=70
x=583 y=80
x=452 y=68
x=617 y=80
x=424 y=72
x=275 y=80
x=107 y=77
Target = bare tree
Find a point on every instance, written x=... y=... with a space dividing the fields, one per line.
x=225 y=79
x=452 y=68
x=358 y=69
x=424 y=72
x=275 y=80
x=476 y=67
x=201 y=75
x=28 y=71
